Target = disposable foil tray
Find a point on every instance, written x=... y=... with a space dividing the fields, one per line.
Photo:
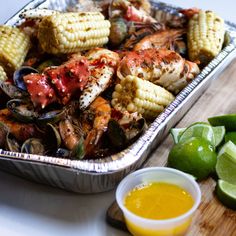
x=91 y=176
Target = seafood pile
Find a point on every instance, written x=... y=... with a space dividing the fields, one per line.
x=86 y=83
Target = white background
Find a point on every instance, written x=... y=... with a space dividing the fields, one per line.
x=28 y=208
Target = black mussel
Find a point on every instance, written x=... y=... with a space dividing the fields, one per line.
x=12 y=91
x=22 y=110
x=33 y=146
x=20 y=73
x=4 y=130
x=120 y=136
x=50 y=117
x=53 y=138
x=227 y=39
x=12 y=144
x=136 y=129
x=62 y=152
x=116 y=134
x=181 y=48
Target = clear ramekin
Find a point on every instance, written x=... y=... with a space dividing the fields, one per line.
x=140 y=226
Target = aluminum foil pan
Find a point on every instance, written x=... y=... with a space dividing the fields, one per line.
x=91 y=176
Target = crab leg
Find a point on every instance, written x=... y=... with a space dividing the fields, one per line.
x=102 y=67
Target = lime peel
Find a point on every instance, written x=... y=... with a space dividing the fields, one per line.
x=229 y=121
x=195 y=156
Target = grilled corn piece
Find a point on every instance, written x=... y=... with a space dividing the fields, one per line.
x=73 y=32
x=3 y=75
x=137 y=95
x=14 y=45
x=205 y=36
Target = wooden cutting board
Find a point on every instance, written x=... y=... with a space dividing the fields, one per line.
x=211 y=218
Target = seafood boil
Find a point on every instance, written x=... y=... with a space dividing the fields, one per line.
x=86 y=83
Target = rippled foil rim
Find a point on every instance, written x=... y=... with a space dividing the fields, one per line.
x=131 y=155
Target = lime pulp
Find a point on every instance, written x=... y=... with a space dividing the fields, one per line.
x=226 y=193
x=201 y=130
x=219 y=133
x=226 y=163
x=176 y=133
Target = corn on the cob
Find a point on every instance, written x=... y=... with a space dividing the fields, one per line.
x=3 y=75
x=73 y=32
x=137 y=95
x=14 y=45
x=205 y=36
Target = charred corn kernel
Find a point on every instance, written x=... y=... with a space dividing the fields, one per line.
x=72 y=32
x=205 y=36
x=137 y=95
x=3 y=75
x=14 y=45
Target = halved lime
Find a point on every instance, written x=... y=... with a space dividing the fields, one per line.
x=201 y=130
x=226 y=163
x=230 y=136
x=219 y=133
x=228 y=121
x=176 y=133
x=226 y=193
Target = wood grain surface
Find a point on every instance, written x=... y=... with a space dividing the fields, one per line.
x=211 y=218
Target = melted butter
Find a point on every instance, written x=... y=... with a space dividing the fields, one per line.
x=159 y=201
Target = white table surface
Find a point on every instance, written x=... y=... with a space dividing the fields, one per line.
x=27 y=208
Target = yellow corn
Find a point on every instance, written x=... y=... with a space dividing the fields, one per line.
x=72 y=32
x=14 y=45
x=205 y=36
x=133 y=94
x=3 y=75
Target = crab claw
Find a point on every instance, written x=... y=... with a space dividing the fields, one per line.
x=160 y=66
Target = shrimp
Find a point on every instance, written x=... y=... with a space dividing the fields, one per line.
x=21 y=131
x=163 y=39
x=82 y=136
x=101 y=110
x=68 y=134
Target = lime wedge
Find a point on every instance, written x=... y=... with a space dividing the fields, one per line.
x=201 y=130
x=228 y=121
x=176 y=133
x=230 y=136
x=219 y=133
x=226 y=193
x=226 y=163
